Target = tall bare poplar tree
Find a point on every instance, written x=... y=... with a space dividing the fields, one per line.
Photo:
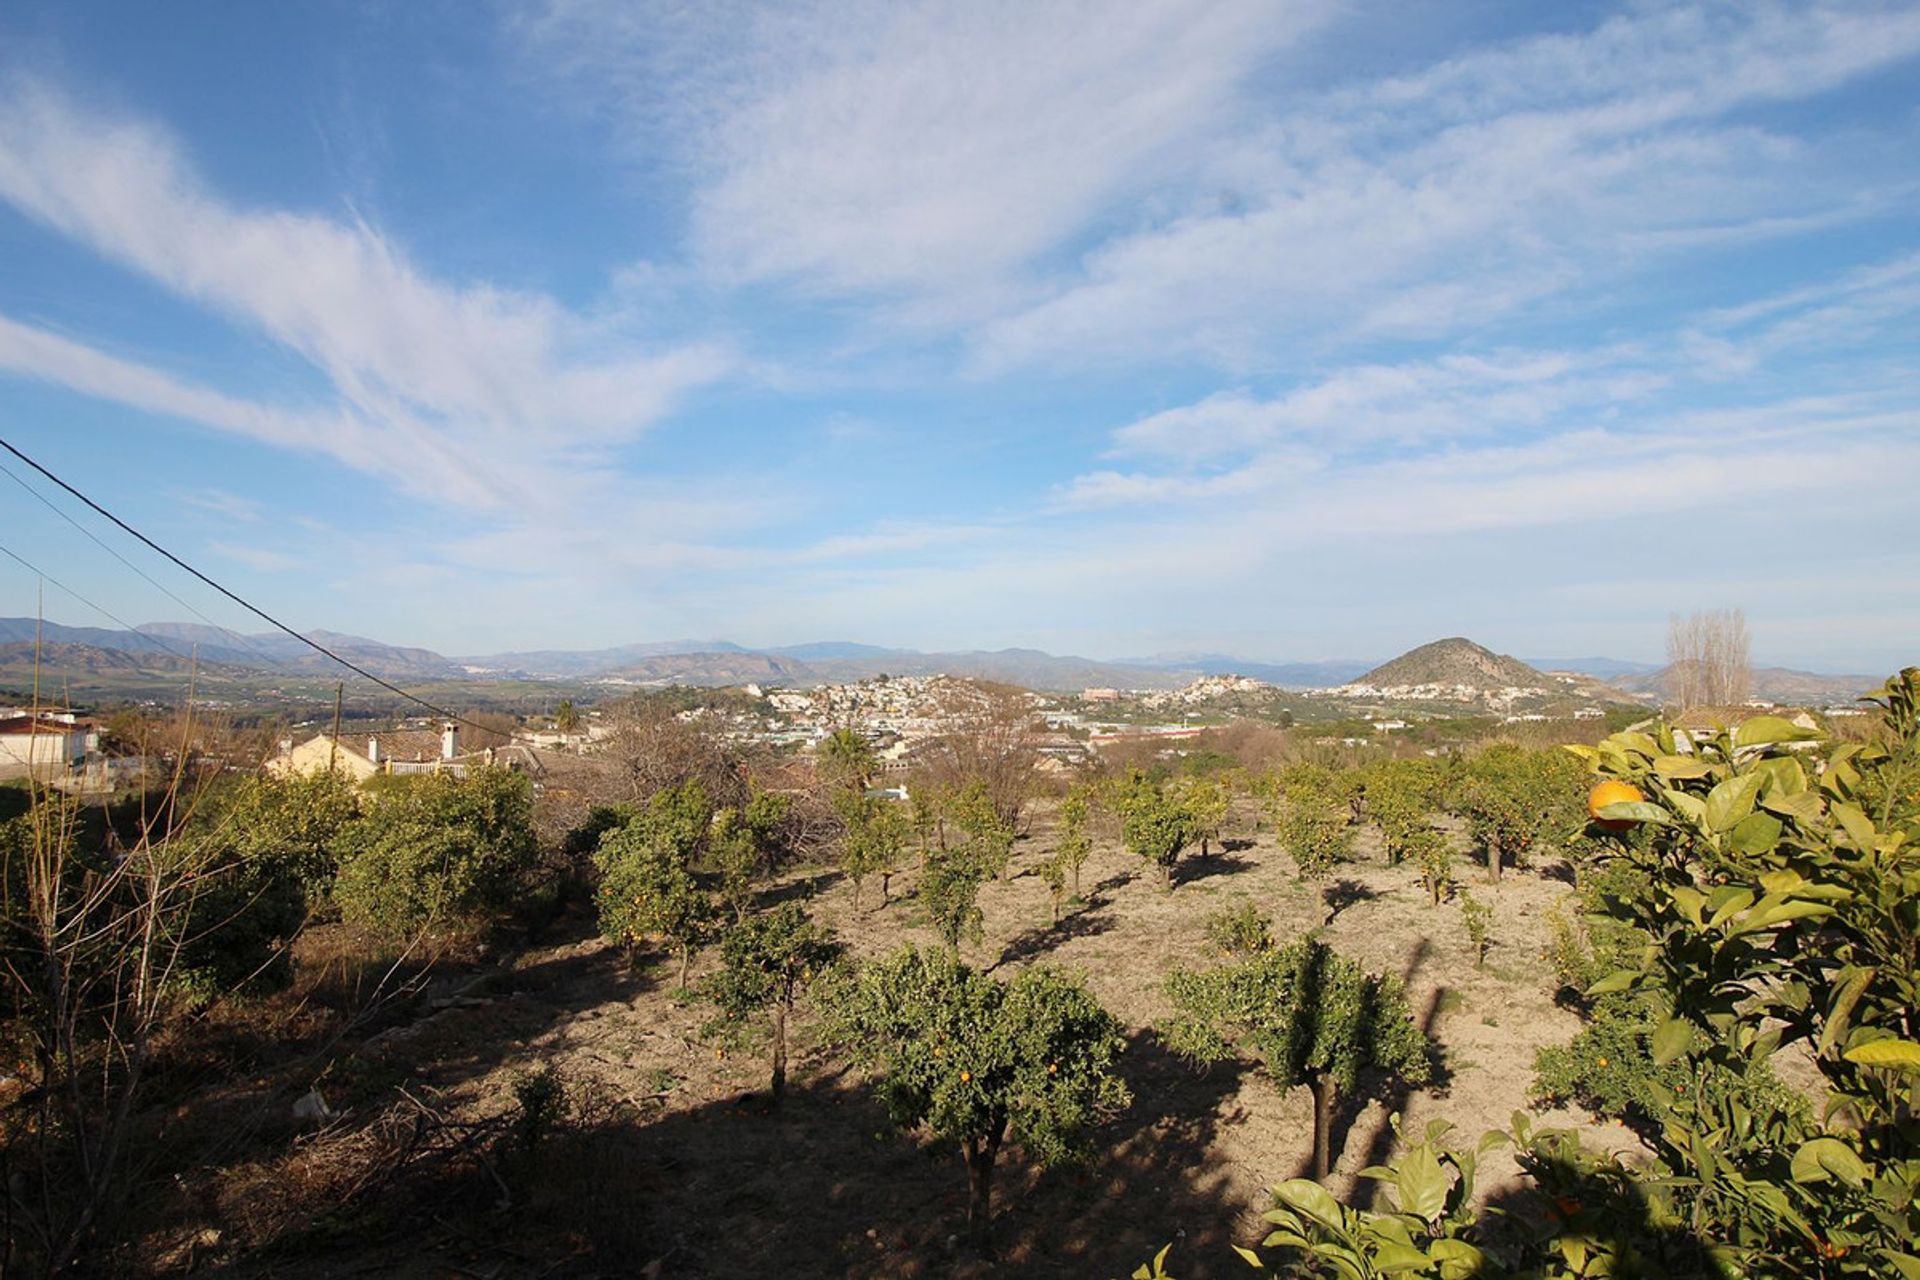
x=1707 y=664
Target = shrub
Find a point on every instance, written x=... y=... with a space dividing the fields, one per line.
x=1513 y=798
x=437 y=852
x=1241 y=929
x=1312 y=818
x=1431 y=852
x=950 y=896
x=1478 y=917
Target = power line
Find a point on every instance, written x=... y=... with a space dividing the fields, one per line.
x=238 y=599
x=102 y=610
x=151 y=580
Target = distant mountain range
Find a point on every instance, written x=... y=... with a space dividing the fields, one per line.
x=162 y=647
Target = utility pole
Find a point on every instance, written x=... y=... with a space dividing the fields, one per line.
x=333 y=743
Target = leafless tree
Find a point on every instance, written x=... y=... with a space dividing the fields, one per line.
x=992 y=736
x=1707 y=663
x=93 y=938
x=653 y=747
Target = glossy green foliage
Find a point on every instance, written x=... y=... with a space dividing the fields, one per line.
x=1154 y=825
x=1311 y=808
x=1515 y=799
x=437 y=852
x=647 y=884
x=1302 y=1011
x=972 y=1059
x=1427 y=1229
x=1401 y=797
x=874 y=835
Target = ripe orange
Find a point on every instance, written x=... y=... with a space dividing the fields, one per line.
x=1612 y=793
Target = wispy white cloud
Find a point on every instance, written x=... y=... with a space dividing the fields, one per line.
x=465 y=384
x=919 y=150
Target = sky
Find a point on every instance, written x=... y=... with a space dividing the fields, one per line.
x=1279 y=328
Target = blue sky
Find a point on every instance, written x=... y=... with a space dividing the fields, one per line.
x=1290 y=330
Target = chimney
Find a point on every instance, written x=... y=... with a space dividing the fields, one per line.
x=373 y=749
x=449 y=741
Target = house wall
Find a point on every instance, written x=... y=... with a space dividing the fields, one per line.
x=32 y=750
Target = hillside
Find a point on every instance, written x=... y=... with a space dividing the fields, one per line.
x=1458 y=671
x=722 y=668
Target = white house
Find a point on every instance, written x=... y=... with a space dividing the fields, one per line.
x=46 y=740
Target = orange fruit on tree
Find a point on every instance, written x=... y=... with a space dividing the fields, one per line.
x=1613 y=792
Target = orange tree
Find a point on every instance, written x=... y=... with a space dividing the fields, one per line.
x=766 y=963
x=1311 y=807
x=1513 y=798
x=647 y=882
x=980 y=1063
x=1154 y=825
x=1309 y=1016
x=1781 y=906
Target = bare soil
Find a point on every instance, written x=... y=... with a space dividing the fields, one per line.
x=675 y=1163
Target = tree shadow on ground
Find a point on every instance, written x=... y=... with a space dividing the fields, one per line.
x=1097 y=896
x=1088 y=922
x=821 y=1185
x=1344 y=893
x=1191 y=870
x=802 y=888
x=1557 y=869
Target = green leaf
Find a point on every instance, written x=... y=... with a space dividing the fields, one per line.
x=1903 y=1055
x=1905 y=1263
x=1422 y=1183
x=1670 y=1040
x=1310 y=1198
x=1732 y=800
x=1681 y=767
x=1822 y=1158
x=1634 y=811
x=1853 y=984
x=1619 y=980
x=1764 y=731
x=1858 y=826
x=1755 y=834
x=1390 y=1258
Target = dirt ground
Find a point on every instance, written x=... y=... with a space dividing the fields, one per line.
x=675 y=1164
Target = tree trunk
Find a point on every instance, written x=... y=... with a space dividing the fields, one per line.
x=1494 y=859
x=1166 y=877
x=1326 y=1095
x=1205 y=850
x=856 y=892
x=1076 y=879
x=686 y=958
x=1056 y=906
x=886 y=878
x=779 y=1051
x=980 y=1155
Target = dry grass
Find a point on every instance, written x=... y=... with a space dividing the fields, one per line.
x=676 y=1158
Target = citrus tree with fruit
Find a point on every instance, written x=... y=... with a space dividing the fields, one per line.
x=981 y=1063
